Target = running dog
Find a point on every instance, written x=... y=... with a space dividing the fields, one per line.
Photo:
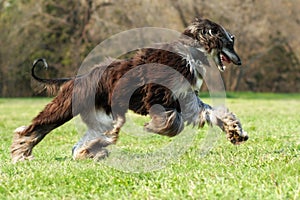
x=148 y=84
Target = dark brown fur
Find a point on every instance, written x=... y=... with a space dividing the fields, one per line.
x=107 y=87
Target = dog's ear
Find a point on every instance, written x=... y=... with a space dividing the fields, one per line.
x=208 y=32
x=197 y=19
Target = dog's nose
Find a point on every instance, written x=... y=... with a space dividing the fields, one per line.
x=239 y=62
x=246 y=138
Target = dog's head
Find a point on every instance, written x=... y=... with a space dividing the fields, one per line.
x=214 y=40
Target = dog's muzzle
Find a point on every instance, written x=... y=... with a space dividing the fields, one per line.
x=232 y=56
x=228 y=56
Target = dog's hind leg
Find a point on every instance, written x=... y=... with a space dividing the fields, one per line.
x=102 y=131
x=56 y=113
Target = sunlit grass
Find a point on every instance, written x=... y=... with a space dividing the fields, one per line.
x=265 y=167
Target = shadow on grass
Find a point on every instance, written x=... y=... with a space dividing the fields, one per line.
x=62 y=158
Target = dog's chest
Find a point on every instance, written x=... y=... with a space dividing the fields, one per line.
x=195 y=62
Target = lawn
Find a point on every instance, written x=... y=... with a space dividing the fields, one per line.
x=267 y=166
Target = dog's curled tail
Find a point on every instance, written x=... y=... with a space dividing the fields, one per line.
x=52 y=86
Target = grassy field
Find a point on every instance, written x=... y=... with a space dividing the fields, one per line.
x=267 y=166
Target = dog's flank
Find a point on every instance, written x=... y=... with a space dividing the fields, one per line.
x=147 y=83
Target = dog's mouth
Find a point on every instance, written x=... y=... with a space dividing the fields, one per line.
x=223 y=58
x=226 y=56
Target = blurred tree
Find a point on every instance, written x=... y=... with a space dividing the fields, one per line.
x=64 y=32
x=55 y=30
x=17 y=43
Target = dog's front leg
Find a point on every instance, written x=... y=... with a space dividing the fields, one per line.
x=223 y=118
x=169 y=123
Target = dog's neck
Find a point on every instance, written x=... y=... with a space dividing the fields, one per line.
x=196 y=61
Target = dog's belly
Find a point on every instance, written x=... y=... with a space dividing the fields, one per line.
x=137 y=104
x=152 y=94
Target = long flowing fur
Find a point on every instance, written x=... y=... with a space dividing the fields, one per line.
x=141 y=84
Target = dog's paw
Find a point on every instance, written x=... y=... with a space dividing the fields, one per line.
x=233 y=129
x=21 y=158
x=148 y=128
x=21 y=146
x=100 y=155
x=92 y=149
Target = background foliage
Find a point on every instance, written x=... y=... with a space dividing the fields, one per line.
x=64 y=32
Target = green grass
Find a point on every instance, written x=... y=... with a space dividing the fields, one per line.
x=265 y=167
